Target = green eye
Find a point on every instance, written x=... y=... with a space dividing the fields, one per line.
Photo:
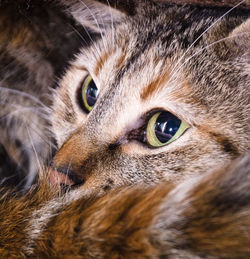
x=89 y=94
x=163 y=128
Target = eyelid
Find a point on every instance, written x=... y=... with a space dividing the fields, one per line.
x=146 y=116
x=80 y=67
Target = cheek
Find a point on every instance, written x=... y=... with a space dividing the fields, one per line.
x=66 y=114
x=65 y=120
x=134 y=148
x=61 y=129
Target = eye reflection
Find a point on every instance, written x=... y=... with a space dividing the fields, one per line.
x=89 y=94
x=163 y=128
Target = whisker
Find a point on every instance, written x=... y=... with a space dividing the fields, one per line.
x=44 y=109
x=6 y=178
x=46 y=141
x=204 y=48
x=7 y=66
x=27 y=182
x=33 y=147
x=18 y=92
x=67 y=172
x=211 y=26
x=93 y=42
x=33 y=128
x=112 y=24
x=102 y=36
x=19 y=110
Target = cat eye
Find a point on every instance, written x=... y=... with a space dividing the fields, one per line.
x=163 y=128
x=89 y=94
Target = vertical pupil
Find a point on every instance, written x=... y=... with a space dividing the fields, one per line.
x=166 y=126
x=91 y=93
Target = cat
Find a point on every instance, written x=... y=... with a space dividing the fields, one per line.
x=151 y=121
x=37 y=41
x=155 y=76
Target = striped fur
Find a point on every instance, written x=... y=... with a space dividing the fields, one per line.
x=188 y=199
x=188 y=60
x=203 y=217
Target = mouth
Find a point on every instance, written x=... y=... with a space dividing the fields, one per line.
x=64 y=178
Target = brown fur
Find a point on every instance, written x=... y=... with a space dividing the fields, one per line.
x=139 y=222
x=101 y=61
x=112 y=194
x=154 y=86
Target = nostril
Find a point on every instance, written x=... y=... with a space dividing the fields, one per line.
x=58 y=178
x=73 y=176
x=64 y=176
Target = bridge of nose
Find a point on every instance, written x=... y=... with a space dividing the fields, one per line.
x=96 y=138
x=79 y=155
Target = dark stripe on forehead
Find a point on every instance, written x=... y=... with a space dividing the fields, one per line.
x=139 y=50
x=169 y=27
x=152 y=32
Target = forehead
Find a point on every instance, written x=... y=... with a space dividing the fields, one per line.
x=158 y=59
x=144 y=63
x=152 y=42
x=139 y=62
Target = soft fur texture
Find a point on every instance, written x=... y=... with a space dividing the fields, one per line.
x=206 y=217
x=188 y=199
x=176 y=60
x=37 y=40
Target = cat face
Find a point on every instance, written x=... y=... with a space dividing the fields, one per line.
x=161 y=95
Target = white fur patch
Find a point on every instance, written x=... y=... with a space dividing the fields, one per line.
x=41 y=217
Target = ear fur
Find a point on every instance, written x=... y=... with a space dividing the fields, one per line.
x=240 y=39
x=95 y=15
x=230 y=40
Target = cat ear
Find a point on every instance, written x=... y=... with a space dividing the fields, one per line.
x=240 y=39
x=98 y=15
x=230 y=43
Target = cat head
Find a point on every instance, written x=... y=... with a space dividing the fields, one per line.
x=161 y=93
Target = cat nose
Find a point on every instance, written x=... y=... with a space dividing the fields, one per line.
x=81 y=158
x=63 y=177
x=74 y=161
x=57 y=178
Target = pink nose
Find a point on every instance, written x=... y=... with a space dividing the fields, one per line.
x=57 y=178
